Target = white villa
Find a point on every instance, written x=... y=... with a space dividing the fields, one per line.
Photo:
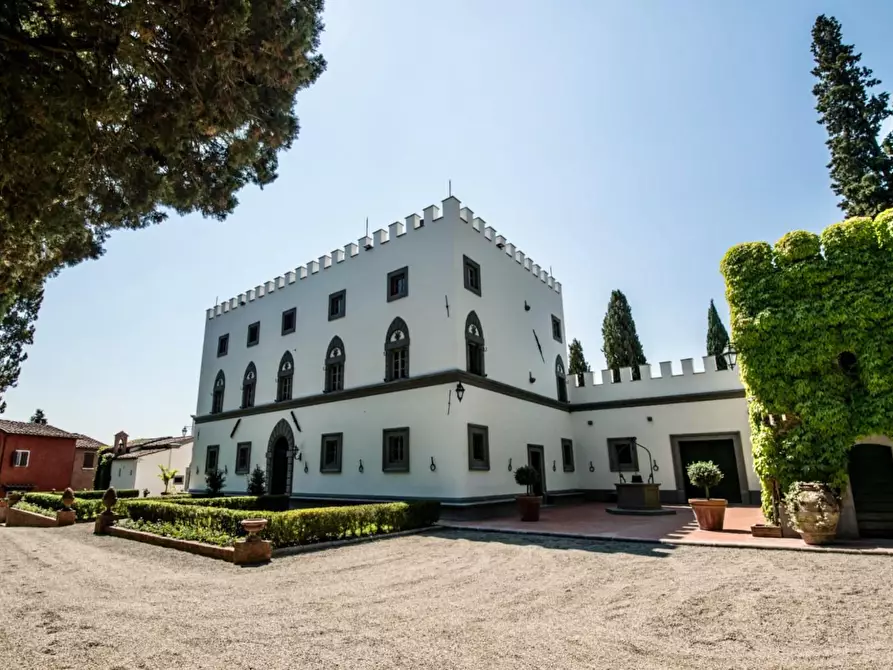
x=428 y=361
x=135 y=465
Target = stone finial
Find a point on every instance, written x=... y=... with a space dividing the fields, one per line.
x=110 y=498
x=68 y=498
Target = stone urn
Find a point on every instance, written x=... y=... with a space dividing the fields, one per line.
x=814 y=511
x=253 y=527
x=106 y=518
x=13 y=498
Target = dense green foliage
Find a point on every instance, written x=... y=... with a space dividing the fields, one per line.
x=102 y=477
x=622 y=347
x=39 y=417
x=270 y=503
x=16 y=332
x=861 y=165
x=180 y=531
x=528 y=477
x=577 y=364
x=26 y=506
x=811 y=321
x=115 y=114
x=214 y=481
x=84 y=510
x=717 y=337
x=257 y=482
x=704 y=475
x=97 y=495
x=297 y=527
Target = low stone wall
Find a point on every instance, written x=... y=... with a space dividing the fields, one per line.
x=209 y=550
x=17 y=517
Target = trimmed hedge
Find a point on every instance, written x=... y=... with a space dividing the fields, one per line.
x=97 y=495
x=267 y=503
x=84 y=510
x=297 y=527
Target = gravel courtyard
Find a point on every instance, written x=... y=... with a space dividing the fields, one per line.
x=451 y=600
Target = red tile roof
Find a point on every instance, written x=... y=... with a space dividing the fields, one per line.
x=36 y=429
x=85 y=442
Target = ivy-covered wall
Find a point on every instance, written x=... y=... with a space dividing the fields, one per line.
x=812 y=321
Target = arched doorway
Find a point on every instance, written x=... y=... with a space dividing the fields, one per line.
x=280 y=462
x=871 y=483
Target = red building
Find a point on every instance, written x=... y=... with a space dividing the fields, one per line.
x=86 y=459
x=35 y=457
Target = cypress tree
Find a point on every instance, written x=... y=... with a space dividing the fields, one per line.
x=622 y=347
x=861 y=165
x=717 y=337
x=577 y=364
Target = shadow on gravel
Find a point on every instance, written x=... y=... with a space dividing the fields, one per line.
x=651 y=549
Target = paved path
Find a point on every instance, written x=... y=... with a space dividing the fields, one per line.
x=447 y=600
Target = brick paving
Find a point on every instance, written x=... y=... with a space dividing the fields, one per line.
x=592 y=521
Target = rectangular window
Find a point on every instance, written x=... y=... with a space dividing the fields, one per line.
x=337 y=305
x=395 y=450
x=254 y=333
x=475 y=358
x=398 y=367
x=478 y=447
x=556 y=329
x=398 y=284
x=89 y=460
x=217 y=401
x=472 y=274
x=222 y=345
x=211 y=458
x=334 y=377
x=243 y=458
x=283 y=388
x=622 y=454
x=178 y=480
x=330 y=452
x=289 y=320
x=248 y=394
x=567 y=455
x=20 y=459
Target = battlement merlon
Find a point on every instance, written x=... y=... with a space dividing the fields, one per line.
x=600 y=387
x=450 y=212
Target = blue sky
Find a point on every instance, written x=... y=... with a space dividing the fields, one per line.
x=625 y=144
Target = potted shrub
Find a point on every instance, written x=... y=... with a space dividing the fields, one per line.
x=710 y=512
x=528 y=504
x=813 y=510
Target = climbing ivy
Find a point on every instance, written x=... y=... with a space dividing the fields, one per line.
x=812 y=321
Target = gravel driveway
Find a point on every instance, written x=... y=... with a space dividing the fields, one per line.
x=451 y=600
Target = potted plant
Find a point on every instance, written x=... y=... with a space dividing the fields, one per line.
x=528 y=504
x=813 y=510
x=710 y=512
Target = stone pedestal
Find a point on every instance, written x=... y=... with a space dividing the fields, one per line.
x=65 y=517
x=252 y=550
x=103 y=521
x=3 y=508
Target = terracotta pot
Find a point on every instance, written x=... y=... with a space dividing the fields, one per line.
x=529 y=507
x=252 y=527
x=710 y=512
x=816 y=513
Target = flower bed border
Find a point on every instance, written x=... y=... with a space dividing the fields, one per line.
x=190 y=546
x=21 y=518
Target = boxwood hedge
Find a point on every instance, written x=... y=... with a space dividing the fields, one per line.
x=84 y=510
x=97 y=495
x=296 y=527
x=270 y=503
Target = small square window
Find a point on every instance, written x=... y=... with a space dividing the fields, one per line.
x=337 y=305
x=330 y=452
x=478 y=447
x=222 y=345
x=567 y=455
x=211 y=459
x=243 y=458
x=254 y=333
x=20 y=459
x=398 y=284
x=89 y=460
x=622 y=454
x=289 y=320
x=178 y=480
x=395 y=450
x=472 y=274
x=556 y=329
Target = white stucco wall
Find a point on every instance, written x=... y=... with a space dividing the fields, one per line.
x=142 y=473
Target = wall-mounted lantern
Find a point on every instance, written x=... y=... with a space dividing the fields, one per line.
x=731 y=356
x=460 y=391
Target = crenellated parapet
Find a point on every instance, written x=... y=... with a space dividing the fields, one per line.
x=594 y=387
x=451 y=212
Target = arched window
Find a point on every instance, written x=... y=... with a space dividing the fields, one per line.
x=396 y=349
x=335 y=365
x=217 y=395
x=285 y=377
x=249 y=383
x=474 y=345
x=560 y=380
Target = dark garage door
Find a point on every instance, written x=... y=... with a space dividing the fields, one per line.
x=871 y=480
x=720 y=451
